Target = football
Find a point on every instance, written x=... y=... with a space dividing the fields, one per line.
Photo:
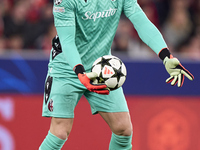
x=111 y=71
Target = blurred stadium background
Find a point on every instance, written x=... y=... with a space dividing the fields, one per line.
x=164 y=117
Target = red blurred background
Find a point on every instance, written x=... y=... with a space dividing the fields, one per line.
x=160 y=123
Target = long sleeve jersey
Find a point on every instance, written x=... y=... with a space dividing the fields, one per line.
x=86 y=29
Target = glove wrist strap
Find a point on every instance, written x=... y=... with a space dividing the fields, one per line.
x=79 y=69
x=164 y=53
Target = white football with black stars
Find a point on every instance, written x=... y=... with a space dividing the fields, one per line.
x=111 y=71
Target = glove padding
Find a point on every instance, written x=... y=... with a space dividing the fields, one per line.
x=176 y=71
x=86 y=80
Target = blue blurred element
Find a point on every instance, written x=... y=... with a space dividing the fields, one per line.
x=148 y=78
x=27 y=76
x=18 y=75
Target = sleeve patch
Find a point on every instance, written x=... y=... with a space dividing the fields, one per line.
x=58 y=9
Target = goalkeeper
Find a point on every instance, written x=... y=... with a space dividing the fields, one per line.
x=86 y=29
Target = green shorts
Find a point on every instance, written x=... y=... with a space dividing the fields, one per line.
x=62 y=95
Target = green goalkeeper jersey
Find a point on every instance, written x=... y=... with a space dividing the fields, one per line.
x=86 y=29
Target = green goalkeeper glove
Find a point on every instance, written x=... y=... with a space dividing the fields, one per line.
x=175 y=69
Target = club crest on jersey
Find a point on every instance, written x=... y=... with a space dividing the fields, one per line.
x=50 y=105
x=57 y=2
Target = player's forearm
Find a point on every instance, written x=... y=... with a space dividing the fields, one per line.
x=147 y=31
x=67 y=40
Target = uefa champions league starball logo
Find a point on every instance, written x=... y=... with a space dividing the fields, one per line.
x=57 y=2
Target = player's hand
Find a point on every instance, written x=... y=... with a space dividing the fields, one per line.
x=176 y=71
x=86 y=80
